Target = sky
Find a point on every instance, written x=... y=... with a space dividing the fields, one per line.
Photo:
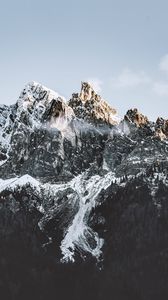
x=120 y=46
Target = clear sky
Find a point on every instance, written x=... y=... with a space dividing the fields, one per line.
x=120 y=46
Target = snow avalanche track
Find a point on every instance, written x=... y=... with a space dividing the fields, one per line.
x=78 y=235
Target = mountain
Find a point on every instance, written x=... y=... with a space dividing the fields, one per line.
x=83 y=199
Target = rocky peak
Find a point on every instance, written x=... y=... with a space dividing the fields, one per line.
x=38 y=103
x=159 y=134
x=135 y=117
x=83 y=194
x=36 y=106
x=87 y=92
x=162 y=125
x=89 y=106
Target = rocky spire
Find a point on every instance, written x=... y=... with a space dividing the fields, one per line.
x=88 y=105
x=161 y=128
x=87 y=92
x=135 y=117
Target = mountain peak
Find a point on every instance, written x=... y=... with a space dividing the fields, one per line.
x=87 y=92
x=37 y=103
x=90 y=106
x=34 y=91
x=135 y=117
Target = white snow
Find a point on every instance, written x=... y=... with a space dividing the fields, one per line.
x=35 y=97
x=12 y=183
x=76 y=236
x=86 y=190
x=32 y=91
x=4 y=136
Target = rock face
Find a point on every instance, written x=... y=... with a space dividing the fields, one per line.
x=38 y=104
x=162 y=128
x=91 y=107
x=135 y=117
x=83 y=199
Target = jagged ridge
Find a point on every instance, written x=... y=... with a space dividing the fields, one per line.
x=82 y=185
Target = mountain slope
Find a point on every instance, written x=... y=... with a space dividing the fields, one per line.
x=82 y=191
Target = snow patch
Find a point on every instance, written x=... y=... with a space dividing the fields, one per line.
x=78 y=232
x=12 y=183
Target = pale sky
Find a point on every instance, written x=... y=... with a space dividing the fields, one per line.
x=120 y=46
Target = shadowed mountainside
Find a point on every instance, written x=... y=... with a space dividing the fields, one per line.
x=83 y=199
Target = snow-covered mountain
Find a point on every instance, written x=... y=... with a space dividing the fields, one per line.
x=81 y=187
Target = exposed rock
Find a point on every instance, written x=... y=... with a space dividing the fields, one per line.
x=38 y=104
x=71 y=191
x=87 y=92
x=135 y=117
x=162 y=127
x=91 y=107
x=159 y=134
